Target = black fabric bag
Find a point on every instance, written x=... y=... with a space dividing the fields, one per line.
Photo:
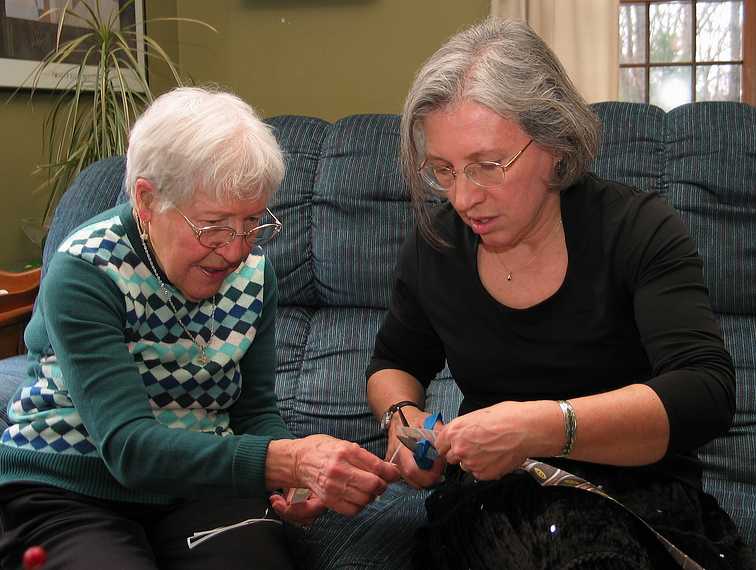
x=515 y=523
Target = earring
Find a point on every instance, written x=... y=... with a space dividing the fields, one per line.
x=143 y=235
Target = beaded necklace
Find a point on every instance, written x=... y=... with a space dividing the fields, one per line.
x=197 y=340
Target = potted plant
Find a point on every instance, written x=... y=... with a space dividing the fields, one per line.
x=100 y=96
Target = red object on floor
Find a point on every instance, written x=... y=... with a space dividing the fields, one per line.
x=34 y=558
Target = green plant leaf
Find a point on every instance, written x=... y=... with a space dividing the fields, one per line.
x=91 y=119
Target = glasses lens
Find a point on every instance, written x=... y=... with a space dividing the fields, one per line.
x=485 y=173
x=262 y=235
x=216 y=237
x=437 y=177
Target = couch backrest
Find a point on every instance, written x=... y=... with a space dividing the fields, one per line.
x=336 y=174
x=702 y=159
x=97 y=188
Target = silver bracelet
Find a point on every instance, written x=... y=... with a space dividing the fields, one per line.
x=570 y=427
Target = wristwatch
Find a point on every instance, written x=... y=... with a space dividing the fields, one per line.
x=392 y=409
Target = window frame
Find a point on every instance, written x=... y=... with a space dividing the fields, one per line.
x=747 y=63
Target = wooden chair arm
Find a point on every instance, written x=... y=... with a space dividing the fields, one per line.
x=15 y=315
x=17 y=294
x=21 y=281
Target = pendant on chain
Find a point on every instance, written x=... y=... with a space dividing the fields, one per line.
x=509 y=276
x=198 y=341
x=202 y=358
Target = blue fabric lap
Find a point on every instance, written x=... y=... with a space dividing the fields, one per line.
x=12 y=374
x=381 y=536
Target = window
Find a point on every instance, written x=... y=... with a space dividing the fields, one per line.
x=675 y=52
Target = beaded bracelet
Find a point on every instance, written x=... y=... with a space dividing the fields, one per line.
x=570 y=427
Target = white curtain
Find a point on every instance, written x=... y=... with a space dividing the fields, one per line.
x=584 y=34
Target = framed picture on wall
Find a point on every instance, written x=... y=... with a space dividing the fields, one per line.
x=29 y=30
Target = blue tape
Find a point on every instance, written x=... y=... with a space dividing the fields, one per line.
x=430 y=421
x=424 y=446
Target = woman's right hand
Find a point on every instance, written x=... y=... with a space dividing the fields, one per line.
x=403 y=457
x=343 y=475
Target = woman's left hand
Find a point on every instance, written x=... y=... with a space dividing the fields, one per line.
x=301 y=513
x=494 y=441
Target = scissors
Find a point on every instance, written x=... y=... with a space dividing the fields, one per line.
x=420 y=441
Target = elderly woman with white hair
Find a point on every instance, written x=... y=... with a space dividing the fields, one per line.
x=573 y=316
x=149 y=412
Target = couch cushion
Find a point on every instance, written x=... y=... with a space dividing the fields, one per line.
x=730 y=461
x=322 y=355
x=701 y=158
x=361 y=212
x=711 y=179
x=346 y=210
x=711 y=176
x=302 y=140
x=632 y=147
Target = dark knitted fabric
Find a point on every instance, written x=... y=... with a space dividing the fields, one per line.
x=515 y=523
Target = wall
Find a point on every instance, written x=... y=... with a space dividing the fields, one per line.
x=326 y=58
x=321 y=58
x=21 y=150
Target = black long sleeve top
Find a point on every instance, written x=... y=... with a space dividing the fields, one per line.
x=632 y=309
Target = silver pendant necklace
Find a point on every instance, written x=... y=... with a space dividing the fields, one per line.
x=533 y=258
x=197 y=340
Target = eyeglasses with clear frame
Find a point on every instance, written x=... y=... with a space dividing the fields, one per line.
x=214 y=237
x=486 y=174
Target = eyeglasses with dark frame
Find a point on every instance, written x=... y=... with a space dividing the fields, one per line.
x=214 y=237
x=486 y=174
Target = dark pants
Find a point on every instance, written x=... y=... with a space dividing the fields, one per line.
x=84 y=533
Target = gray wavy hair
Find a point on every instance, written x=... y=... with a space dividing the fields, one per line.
x=505 y=66
x=194 y=138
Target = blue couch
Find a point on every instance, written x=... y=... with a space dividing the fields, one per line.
x=345 y=212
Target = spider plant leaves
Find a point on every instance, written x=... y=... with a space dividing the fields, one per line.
x=99 y=97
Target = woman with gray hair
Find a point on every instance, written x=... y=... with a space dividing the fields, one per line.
x=149 y=413
x=572 y=314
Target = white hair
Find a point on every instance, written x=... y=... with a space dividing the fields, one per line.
x=192 y=139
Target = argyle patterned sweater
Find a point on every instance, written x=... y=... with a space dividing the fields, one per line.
x=117 y=405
